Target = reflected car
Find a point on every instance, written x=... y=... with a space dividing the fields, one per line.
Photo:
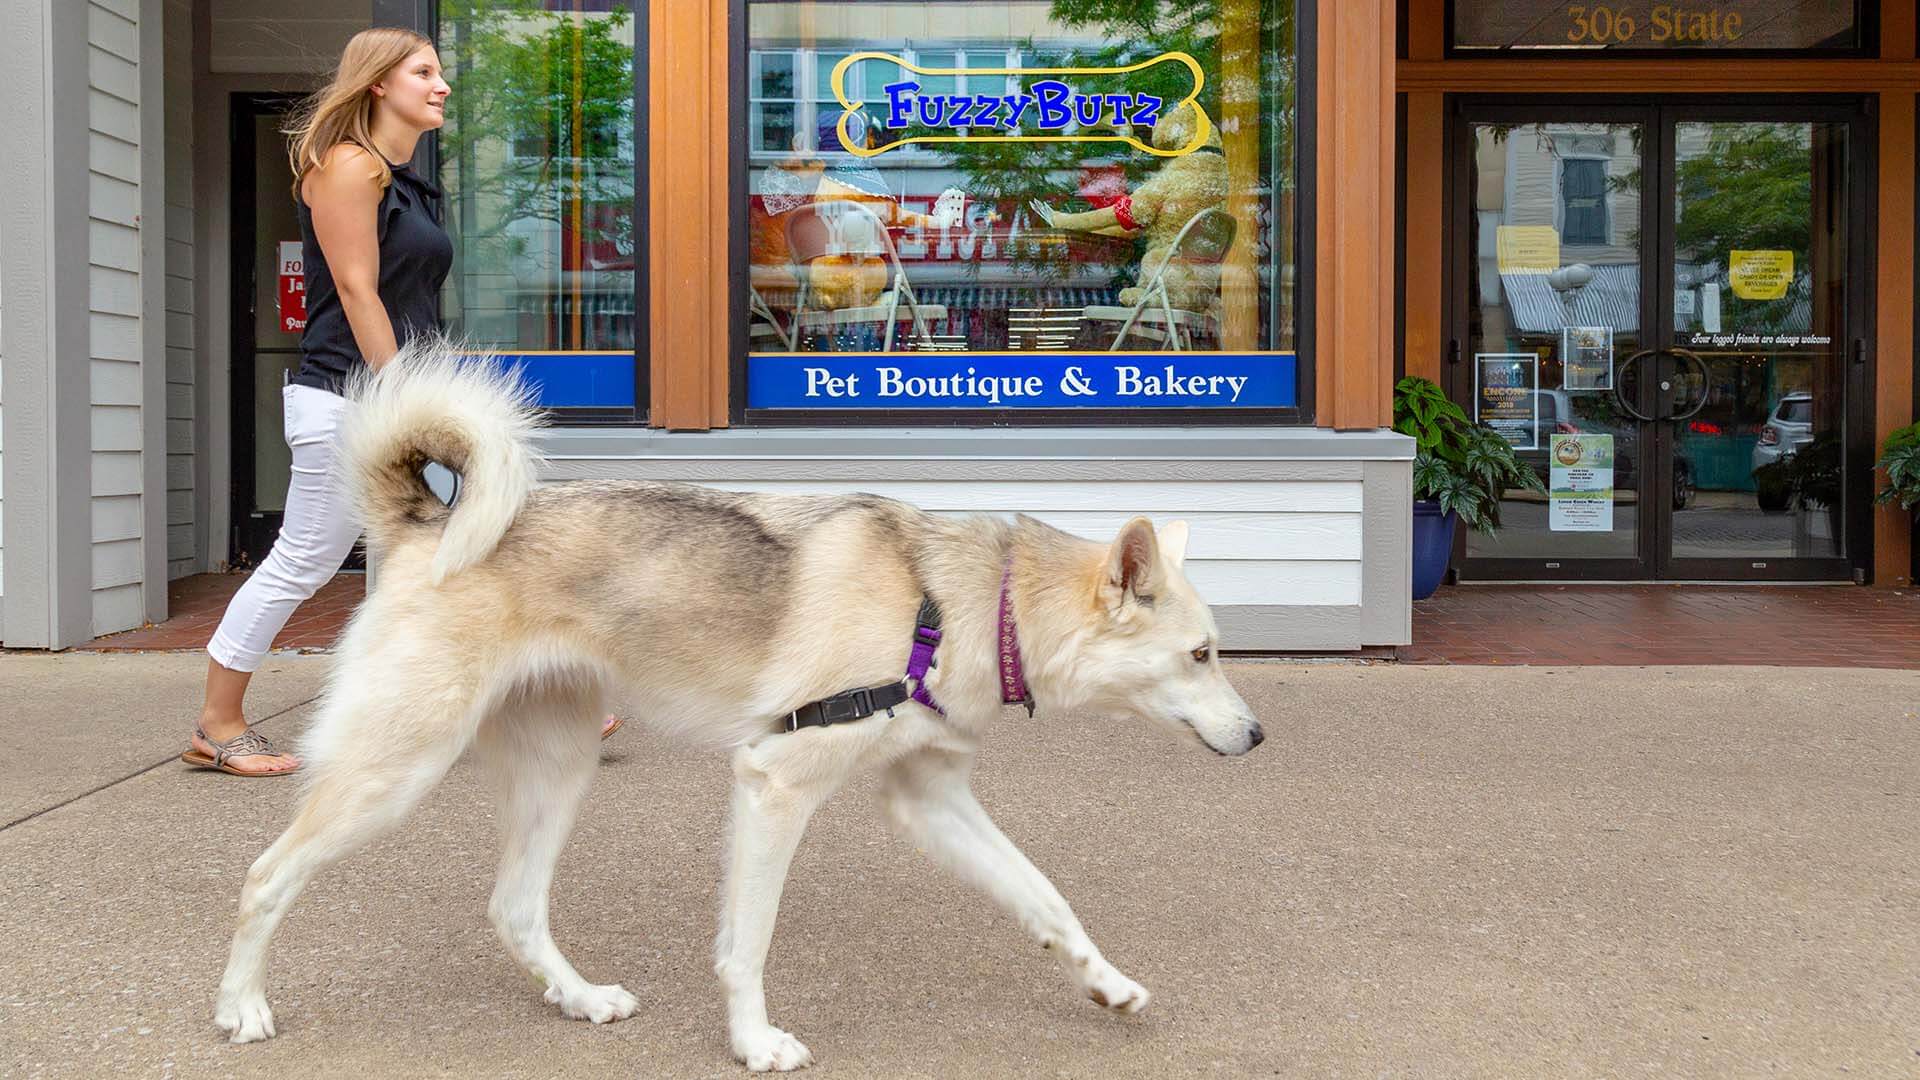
x=1788 y=429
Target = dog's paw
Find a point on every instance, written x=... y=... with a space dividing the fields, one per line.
x=771 y=1050
x=245 y=1018
x=600 y=1004
x=1111 y=990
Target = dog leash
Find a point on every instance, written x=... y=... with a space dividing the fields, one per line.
x=859 y=704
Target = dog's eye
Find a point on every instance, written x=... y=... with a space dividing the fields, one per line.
x=1202 y=654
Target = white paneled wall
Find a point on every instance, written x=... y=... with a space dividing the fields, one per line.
x=1258 y=544
x=113 y=285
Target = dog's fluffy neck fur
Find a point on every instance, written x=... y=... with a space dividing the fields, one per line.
x=1056 y=578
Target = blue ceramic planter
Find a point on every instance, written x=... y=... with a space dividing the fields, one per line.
x=1432 y=546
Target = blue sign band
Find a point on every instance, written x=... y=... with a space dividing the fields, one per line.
x=1039 y=380
x=577 y=380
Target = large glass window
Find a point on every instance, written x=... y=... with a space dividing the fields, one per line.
x=538 y=162
x=1038 y=207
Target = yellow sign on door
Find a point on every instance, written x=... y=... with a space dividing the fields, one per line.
x=1527 y=249
x=1760 y=275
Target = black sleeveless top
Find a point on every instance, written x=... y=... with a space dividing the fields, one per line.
x=415 y=256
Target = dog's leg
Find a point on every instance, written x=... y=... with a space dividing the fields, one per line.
x=539 y=756
x=769 y=814
x=928 y=800
x=355 y=799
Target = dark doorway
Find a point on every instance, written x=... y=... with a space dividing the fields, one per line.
x=268 y=308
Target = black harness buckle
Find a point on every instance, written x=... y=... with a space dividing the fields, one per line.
x=847 y=707
x=852 y=705
x=859 y=704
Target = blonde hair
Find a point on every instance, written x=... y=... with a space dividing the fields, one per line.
x=342 y=110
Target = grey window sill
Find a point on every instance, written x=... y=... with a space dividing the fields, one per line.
x=907 y=444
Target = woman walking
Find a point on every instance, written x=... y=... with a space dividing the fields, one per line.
x=375 y=258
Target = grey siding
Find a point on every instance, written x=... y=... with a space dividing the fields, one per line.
x=114 y=310
x=183 y=553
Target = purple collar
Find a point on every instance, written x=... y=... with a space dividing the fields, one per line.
x=1013 y=680
x=926 y=638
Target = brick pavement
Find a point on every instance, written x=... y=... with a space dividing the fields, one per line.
x=1794 y=626
x=1790 y=626
x=195 y=604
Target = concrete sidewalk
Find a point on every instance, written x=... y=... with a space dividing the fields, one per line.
x=1424 y=872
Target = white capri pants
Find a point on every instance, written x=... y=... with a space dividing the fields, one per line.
x=316 y=534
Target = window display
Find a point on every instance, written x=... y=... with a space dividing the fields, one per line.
x=1021 y=205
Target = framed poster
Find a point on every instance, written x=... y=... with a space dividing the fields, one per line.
x=1586 y=353
x=1506 y=396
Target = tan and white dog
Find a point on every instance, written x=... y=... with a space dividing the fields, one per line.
x=506 y=623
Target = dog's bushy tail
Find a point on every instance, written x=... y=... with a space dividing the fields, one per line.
x=434 y=402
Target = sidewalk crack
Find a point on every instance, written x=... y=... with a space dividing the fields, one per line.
x=142 y=771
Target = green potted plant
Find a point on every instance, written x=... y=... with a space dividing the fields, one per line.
x=1461 y=470
x=1900 y=460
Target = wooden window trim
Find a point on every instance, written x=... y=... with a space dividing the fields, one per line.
x=1353 y=345
x=689 y=92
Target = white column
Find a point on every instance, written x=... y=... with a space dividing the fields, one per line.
x=43 y=334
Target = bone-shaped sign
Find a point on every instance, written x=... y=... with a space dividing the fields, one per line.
x=1048 y=105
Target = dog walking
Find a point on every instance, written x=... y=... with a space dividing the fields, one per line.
x=813 y=638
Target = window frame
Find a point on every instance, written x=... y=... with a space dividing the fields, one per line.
x=1560 y=207
x=756 y=128
x=741 y=162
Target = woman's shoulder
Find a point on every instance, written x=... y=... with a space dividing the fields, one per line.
x=345 y=170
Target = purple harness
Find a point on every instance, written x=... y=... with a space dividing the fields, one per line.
x=860 y=704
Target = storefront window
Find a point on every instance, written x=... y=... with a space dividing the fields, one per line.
x=538 y=161
x=1036 y=205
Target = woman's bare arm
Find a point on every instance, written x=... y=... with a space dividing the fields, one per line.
x=344 y=199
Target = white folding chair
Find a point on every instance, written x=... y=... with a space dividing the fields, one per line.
x=845 y=227
x=1205 y=238
x=761 y=321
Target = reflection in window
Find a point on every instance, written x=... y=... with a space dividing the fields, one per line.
x=1583 y=200
x=940 y=214
x=537 y=157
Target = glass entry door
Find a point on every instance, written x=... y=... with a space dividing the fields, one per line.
x=1660 y=306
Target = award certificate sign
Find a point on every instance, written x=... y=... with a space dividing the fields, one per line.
x=1580 y=483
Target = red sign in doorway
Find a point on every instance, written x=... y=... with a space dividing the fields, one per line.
x=291 y=296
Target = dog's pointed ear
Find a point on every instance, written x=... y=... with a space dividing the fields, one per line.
x=1134 y=559
x=1173 y=543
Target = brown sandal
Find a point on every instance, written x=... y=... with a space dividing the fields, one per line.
x=248 y=743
